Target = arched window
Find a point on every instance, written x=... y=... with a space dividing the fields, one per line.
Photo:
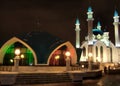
x=84 y=51
x=101 y=52
x=96 y=51
x=111 y=55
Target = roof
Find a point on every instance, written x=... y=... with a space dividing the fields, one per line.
x=42 y=43
x=115 y=13
x=77 y=21
x=89 y=9
x=97 y=31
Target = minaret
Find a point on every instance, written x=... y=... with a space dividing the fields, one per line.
x=116 y=29
x=90 y=25
x=90 y=37
x=77 y=29
x=78 y=49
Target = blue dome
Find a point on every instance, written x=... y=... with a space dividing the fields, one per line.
x=97 y=31
x=42 y=43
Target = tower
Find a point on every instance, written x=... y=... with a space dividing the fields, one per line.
x=78 y=49
x=90 y=37
x=116 y=29
x=77 y=29
x=90 y=25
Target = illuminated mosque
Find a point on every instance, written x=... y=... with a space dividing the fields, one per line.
x=42 y=48
x=97 y=44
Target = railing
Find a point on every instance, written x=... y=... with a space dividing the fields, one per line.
x=5 y=68
x=76 y=68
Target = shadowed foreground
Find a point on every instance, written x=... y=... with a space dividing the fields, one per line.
x=107 y=80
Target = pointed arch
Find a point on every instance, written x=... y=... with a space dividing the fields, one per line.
x=85 y=44
x=84 y=51
x=9 y=43
x=96 y=51
x=99 y=43
x=111 y=59
x=112 y=45
x=101 y=51
x=71 y=50
x=114 y=53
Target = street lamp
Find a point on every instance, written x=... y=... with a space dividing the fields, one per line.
x=22 y=59
x=67 y=60
x=16 y=59
x=67 y=53
x=98 y=59
x=57 y=57
x=17 y=51
x=90 y=54
x=90 y=61
x=11 y=60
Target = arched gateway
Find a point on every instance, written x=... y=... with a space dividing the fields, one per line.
x=37 y=49
x=7 y=51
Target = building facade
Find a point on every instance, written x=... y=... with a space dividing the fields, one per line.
x=97 y=43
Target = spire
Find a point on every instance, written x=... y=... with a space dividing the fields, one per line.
x=77 y=24
x=115 y=13
x=89 y=9
x=116 y=17
x=77 y=21
x=99 y=25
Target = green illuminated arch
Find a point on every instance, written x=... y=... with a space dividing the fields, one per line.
x=5 y=48
x=26 y=56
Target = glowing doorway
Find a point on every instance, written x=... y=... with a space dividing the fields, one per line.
x=58 y=58
x=26 y=56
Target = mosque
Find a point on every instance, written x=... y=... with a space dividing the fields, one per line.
x=97 y=45
x=42 y=48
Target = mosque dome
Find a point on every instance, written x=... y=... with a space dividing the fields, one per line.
x=97 y=31
x=37 y=47
x=42 y=43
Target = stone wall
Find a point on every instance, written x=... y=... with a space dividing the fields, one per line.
x=39 y=69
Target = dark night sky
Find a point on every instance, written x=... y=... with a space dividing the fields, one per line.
x=54 y=16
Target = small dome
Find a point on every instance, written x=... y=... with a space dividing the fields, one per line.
x=97 y=31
